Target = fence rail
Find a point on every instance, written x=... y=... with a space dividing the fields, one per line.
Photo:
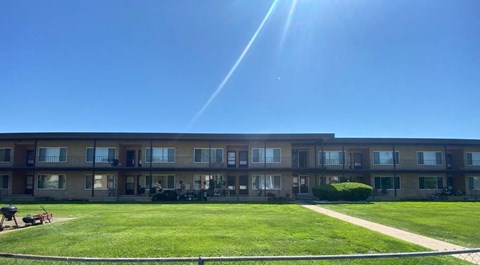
x=469 y=255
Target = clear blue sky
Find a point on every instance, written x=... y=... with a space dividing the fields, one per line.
x=354 y=68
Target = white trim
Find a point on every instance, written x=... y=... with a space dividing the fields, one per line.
x=263 y=157
x=53 y=147
x=321 y=158
x=441 y=162
x=97 y=162
x=38 y=176
x=262 y=176
x=209 y=154
x=386 y=164
x=161 y=162
x=106 y=175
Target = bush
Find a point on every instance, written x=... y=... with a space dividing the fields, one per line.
x=347 y=191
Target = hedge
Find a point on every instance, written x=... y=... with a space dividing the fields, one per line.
x=346 y=191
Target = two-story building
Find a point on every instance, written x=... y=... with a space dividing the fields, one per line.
x=113 y=166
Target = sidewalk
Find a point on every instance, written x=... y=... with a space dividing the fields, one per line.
x=424 y=241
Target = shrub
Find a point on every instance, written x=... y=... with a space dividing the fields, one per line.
x=347 y=191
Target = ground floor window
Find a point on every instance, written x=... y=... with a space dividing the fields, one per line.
x=163 y=181
x=208 y=182
x=474 y=183
x=100 y=182
x=387 y=183
x=51 y=182
x=266 y=182
x=430 y=183
x=4 y=182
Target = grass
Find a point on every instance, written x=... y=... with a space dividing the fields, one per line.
x=454 y=222
x=178 y=230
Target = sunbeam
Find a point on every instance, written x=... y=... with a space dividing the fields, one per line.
x=234 y=67
x=287 y=23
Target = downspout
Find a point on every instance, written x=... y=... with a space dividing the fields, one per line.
x=394 y=171
x=34 y=167
x=93 y=166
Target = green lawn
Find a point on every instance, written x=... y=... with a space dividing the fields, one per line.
x=454 y=222
x=176 y=230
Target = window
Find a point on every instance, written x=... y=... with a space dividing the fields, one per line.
x=52 y=154
x=384 y=158
x=5 y=155
x=429 y=158
x=386 y=183
x=167 y=181
x=51 y=182
x=202 y=155
x=102 y=154
x=208 y=182
x=332 y=158
x=430 y=183
x=101 y=182
x=4 y=182
x=473 y=158
x=160 y=155
x=271 y=154
x=335 y=179
x=266 y=182
x=474 y=183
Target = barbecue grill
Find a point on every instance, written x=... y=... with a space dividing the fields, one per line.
x=8 y=213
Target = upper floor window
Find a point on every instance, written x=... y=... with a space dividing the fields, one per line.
x=5 y=155
x=102 y=154
x=473 y=158
x=100 y=182
x=429 y=158
x=3 y=182
x=272 y=155
x=51 y=182
x=430 y=183
x=266 y=182
x=52 y=154
x=384 y=158
x=160 y=155
x=332 y=157
x=208 y=155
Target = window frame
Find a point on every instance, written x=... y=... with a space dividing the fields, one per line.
x=473 y=162
x=50 y=175
x=271 y=183
x=323 y=161
x=9 y=154
x=437 y=180
x=262 y=156
x=110 y=184
x=160 y=160
x=472 y=180
x=394 y=186
x=428 y=164
x=59 y=156
x=395 y=157
x=107 y=161
x=168 y=181
x=4 y=177
x=210 y=151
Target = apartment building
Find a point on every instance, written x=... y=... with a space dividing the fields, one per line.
x=127 y=166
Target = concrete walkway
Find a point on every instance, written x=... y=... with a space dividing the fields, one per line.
x=424 y=241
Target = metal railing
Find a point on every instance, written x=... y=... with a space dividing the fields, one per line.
x=468 y=255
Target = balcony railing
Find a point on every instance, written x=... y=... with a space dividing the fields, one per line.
x=191 y=162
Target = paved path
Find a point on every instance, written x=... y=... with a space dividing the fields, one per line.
x=424 y=241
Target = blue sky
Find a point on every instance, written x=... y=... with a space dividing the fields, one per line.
x=354 y=68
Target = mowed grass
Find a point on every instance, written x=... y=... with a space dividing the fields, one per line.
x=454 y=222
x=189 y=230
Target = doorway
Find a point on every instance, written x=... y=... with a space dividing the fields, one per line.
x=29 y=184
x=130 y=156
x=130 y=185
x=300 y=184
x=243 y=185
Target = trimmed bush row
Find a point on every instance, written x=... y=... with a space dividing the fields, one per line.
x=346 y=191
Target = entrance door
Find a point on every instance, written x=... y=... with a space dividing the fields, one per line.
x=30 y=161
x=357 y=160
x=302 y=158
x=130 y=158
x=232 y=185
x=130 y=185
x=243 y=185
x=29 y=184
x=300 y=185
